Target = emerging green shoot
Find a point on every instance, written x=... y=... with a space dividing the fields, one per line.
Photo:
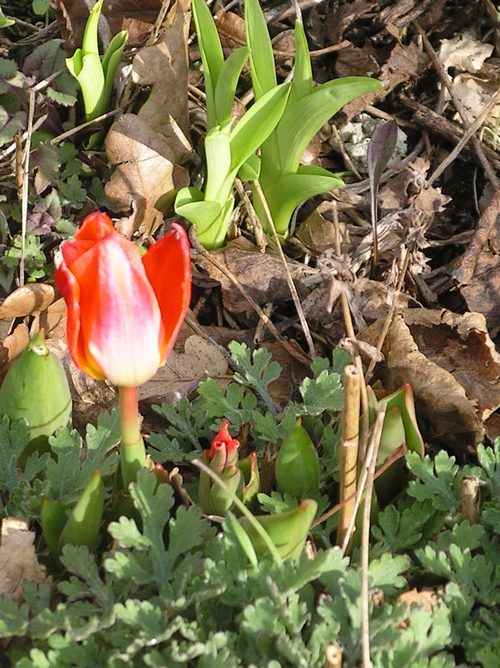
x=284 y=181
x=94 y=73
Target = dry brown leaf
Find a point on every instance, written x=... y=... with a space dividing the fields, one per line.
x=182 y=372
x=26 y=300
x=231 y=29
x=426 y=598
x=18 y=561
x=164 y=67
x=404 y=64
x=292 y=372
x=482 y=292
x=465 y=52
x=262 y=275
x=452 y=365
x=13 y=345
x=137 y=18
x=145 y=178
x=317 y=233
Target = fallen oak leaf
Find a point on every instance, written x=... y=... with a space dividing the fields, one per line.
x=452 y=366
x=28 y=299
x=164 y=67
x=146 y=177
x=18 y=561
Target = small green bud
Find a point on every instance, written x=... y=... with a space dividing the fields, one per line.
x=297 y=464
x=53 y=517
x=36 y=389
x=84 y=522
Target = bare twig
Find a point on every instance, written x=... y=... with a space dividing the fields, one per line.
x=365 y=541
x=389 y=316
x=289 y=280
x=485 y=112
x=25 y=188
x=443 y=75
x=349 y=328
x=371 y=454
x=296 y=353
x=349 y=447
x=397 y=454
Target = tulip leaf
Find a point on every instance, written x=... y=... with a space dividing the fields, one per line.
x=287 y=192
x=218 y=157
x=212 y=56
x=84 y=522
x=227 y=83
x=90 y=42
x=243 y=539
x=257 y=124
x=305 y=117
x=263 y=69
x=4 y=21
x=302 y=70
x=250 y=169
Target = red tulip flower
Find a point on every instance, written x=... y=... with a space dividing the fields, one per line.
x=124 y=311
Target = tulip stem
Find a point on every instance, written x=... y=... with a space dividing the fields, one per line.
x=132 y=450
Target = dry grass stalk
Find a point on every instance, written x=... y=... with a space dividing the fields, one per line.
x=349 y=448
x=470 y=497
x=333 y=656
x=365 y=538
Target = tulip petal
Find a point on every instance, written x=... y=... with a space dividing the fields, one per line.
x=70 y=290
x=168 y=268
x=119 y=314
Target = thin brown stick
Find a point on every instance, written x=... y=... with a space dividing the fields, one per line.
x=443 y=75
x=371 y=454
x=389 y=317
x=349 y=443
x=349 y=328
x=365 y=543
x=289 y=280
x=397 y=454
x=258 y=232
x=25 y=187
x=485 y=112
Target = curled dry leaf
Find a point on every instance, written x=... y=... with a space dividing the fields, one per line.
x=452 y=366
x=26 y=300
x=18 y=561
x=148 y=148
x=164 y=67
x=261 y=275
x=13 y=345
x=183 y=372
x=146 y=177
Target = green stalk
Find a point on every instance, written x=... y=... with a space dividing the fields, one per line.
x=132 y=450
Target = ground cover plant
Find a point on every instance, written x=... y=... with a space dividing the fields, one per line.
x=249 y=383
